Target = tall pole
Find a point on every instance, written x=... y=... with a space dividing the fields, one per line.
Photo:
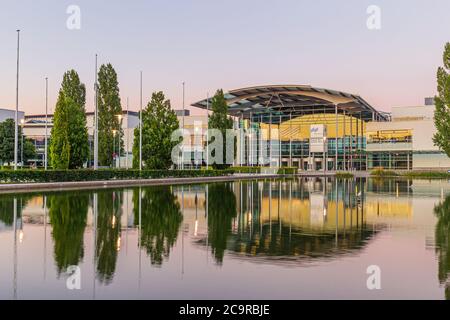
x=96 y=118
x=16 y=128
x=114 y=149
x=182 y=125
x=337 y=133
x=127 y=128
x=207 y=129
x=46 y=121
x=140 y=129
x=21 y=145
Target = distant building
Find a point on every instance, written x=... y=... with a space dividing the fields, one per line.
x=10 y=114
x=429 y=101
x=34 y=129
x=406 y=142
x=186 y=112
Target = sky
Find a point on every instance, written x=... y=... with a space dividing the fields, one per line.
x=224 y=44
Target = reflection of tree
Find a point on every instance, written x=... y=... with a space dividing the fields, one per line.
x=221 y=211
x=68 y=216
x=108 y=233
x=161 y=219
x=442 y=238
x=7 y=207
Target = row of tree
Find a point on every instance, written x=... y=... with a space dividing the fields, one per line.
x=69 y=146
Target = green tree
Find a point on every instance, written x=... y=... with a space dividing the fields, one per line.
x=74 y=89
x=69 y=143
x=109 y=108
x=159 y=121
x=7 y=143
x=161 y=220
x=442 y=101
x=219 y=120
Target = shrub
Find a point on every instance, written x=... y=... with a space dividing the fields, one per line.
x=287 y=170
x=383 y=173
x=344 y=175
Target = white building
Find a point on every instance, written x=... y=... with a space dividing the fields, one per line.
x=10 y=114
x=405 y=142
x=34 y=129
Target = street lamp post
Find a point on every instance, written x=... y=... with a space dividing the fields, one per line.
x=207 y=130
x=22 y=122
x=127 y=130
x=114 y=147
x=120 y=117
x=96 y=118
x=325 y=160
x=182 y=125
x=140 y=130
x=16 y=128
x=46 y=121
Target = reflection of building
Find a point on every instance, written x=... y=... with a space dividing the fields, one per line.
x=285 y=119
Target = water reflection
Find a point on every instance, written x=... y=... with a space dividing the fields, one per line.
x=161 y=220
x=442 y=236
x=281 y=221
x=68 y=217
x=275 y=223
x=221 y=212
x=108 y=233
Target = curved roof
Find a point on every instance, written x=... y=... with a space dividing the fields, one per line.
x=282 y=101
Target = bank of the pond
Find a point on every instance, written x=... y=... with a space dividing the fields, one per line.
x=410 y=174
x=75 y=185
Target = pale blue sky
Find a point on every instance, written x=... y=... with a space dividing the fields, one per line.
x=227 y=44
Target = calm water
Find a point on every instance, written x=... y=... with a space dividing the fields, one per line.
x=279 y=239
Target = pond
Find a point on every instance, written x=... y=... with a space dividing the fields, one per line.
x=263 y=239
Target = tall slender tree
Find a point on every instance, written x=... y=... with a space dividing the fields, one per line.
x=110 y=108
x=69 y=144
x=159 y=121
x=442 y=101
x=220 y=120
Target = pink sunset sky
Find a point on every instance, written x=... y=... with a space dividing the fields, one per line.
x=229 y=44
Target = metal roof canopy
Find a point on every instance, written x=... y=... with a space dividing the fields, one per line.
x=282 y=101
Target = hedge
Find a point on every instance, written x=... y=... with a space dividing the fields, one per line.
x=427 y=175
x=246 y=169
x=383 y=173
x=287 y=170
x=344 y=175
x=11 y=176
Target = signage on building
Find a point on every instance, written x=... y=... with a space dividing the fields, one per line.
x=318 y=138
